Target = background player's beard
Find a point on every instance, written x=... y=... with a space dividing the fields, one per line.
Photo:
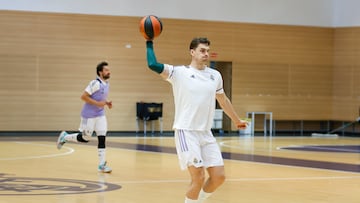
x=106 y=76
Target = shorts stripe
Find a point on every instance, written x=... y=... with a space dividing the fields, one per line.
x=182 y=141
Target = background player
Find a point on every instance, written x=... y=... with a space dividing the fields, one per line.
x=93 y=115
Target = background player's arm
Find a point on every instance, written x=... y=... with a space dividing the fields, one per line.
x=228 y=108
x=86 y=98
x=152 y=62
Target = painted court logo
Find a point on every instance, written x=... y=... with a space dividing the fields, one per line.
x=15 y=186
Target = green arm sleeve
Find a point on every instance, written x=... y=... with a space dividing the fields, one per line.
x=151 y=58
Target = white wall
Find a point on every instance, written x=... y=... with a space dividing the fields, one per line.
x=346 y=13
x=289 y=12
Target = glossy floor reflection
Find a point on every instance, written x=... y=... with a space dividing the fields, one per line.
x=145 y=169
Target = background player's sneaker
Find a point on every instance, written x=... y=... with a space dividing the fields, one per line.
x=104 y=168
x=61 y=140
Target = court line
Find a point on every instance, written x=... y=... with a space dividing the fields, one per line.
x=224 y=144
x=139 y=137
x=320 y=147
x=70 y=150
x=245 y=179
x=245 y=161
x=283 y=148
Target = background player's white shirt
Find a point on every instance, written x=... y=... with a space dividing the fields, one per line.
x=94 y=86
x=194 y=96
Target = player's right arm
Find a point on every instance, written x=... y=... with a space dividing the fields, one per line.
x=152 y=62
x=89 y=90
x=86 y=98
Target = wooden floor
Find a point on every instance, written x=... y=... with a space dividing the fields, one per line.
x=145 y=170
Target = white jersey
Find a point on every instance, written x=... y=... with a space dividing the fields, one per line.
x=194 y=96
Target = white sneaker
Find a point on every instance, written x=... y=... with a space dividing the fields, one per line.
x=104 y=168
x=61 y=140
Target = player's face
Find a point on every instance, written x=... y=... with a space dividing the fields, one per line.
x=201 y=53
x=105 y=73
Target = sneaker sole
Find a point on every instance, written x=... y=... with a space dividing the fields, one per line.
x=105 y=171
x=58 y=143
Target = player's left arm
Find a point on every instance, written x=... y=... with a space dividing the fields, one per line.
x=228 y=108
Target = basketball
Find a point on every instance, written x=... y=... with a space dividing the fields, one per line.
x=150 y=27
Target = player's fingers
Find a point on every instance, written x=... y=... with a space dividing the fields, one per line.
x=242 y=125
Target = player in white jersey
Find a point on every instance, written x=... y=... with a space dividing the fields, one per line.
x=195 y=88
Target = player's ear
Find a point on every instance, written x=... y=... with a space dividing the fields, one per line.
x=192 y=52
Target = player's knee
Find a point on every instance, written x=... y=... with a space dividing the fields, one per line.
x=198 y=177
x=201 y=178
x=83 y=137
x=101 y=141
x=218 y=179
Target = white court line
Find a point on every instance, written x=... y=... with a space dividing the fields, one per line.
x=70 y=150
x=223 y=143
x=137 y=138
x=245 y=179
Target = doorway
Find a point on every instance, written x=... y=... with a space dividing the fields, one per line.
x=225 y=68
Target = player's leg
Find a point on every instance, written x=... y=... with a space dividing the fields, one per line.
x=216 y=178
x=86 y=129
x=214 y=164
x=197 y=180
x=189 y=154
x=101 y=130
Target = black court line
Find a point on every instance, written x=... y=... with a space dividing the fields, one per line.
x=326 y=148
x=251 y=158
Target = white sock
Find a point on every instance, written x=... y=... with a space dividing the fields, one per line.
x=203 y=195
x=71 y=137
x=187 y=200
x=102 y=157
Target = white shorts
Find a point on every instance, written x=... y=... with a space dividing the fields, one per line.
x=97 y=124
x=197 y=148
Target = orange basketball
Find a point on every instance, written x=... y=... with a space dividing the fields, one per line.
x=150 y=27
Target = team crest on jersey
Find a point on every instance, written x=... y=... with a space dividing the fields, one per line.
x=212 y=77
x=192 y=76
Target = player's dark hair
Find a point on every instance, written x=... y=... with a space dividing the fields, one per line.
x=100 y=67
x=199 y=40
